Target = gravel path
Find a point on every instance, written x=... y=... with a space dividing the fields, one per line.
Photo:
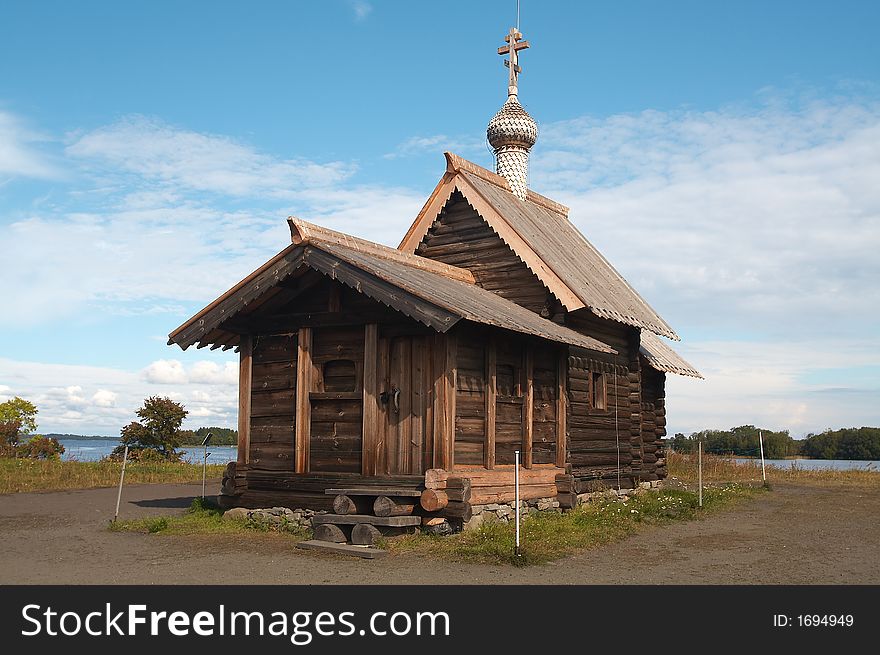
x=793 y=535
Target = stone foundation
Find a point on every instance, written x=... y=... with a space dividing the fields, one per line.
x=277 y=519
x=505 y=511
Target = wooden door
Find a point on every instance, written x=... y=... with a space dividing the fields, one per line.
x=404 y=364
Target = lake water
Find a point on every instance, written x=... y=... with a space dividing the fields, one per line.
x=815 y=464
x=91 y=450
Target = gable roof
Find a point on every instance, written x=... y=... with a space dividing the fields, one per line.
x=538 y=231
x=663 y=358
x=435 y=294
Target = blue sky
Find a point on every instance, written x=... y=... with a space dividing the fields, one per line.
x=723 y=156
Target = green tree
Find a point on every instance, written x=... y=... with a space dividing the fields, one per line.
x=158 y=430
x=18 y=418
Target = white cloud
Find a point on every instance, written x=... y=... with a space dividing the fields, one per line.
x=205 y=372
x=147 y=239
x=172 y=371
x=20 y=155
x=766 y=220
x=104 y=398
x=754 y=232
x=165 y=371
x=161 y=153
x=100 y=400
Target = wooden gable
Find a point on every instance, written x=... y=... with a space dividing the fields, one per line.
x=461 y=237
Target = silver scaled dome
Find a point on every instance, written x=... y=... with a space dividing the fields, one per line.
x=512 y=126
x=511 y=133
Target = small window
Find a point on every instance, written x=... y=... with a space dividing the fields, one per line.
x=339 y=375
x=599 y=391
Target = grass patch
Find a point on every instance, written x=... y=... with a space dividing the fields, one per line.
x=20 y=475
x=202 y=517
x=683 y=468
x=548 y=536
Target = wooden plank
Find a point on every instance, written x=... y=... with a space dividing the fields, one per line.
x=364 y=552
x=451 y=386
x=369 y=457
x=303 y=404
x=561 y=399
x=382 y=428
x=491 y=405
x=354 y=519
x=374 y=491
x=245 y=380
x=504 y=475
x=528 y=406
x=417 y=402
x=507 y=493
x=438 y=368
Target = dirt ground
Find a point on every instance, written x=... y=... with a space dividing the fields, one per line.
x=792 y=535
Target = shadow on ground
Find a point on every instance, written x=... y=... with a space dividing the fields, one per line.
x=179 y=502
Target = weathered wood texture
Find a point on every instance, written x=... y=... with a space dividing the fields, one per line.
x=245 y=377
x=393 y=506
x=605 y=443
x=273 y=403
x=462 y=238
x=336 y=399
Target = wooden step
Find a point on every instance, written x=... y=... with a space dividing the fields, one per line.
x=364 y=552
x=354 y=519
x=375 y=491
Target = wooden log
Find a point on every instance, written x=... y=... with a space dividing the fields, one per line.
x=433 y=478
x=365 y=534
x=457 y=511
x=567 y=500
x=506 y=493
x=393 y=506
x=504 y=474
x=329 y=532
x=343 y=504
x=433 y=500
x=564 y=483
x=460 y=495
x=354 y=519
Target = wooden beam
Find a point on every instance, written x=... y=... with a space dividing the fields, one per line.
x=528 y=406
x=438 y=370
x=369 y=457
x=238 y=297
x=491 y=393
x=245 y=376
x=451 y=393
x=561 y=404
x=303 y=404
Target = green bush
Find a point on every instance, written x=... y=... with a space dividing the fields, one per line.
x=39 y=447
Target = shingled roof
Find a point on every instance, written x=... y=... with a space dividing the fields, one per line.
x=663 y=358
x=538 y=231
x=435 y=294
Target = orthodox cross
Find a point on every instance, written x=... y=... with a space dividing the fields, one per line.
x=514 y=45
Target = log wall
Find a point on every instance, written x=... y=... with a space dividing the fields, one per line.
x=604 y=439
x=462 y=238
x=273 y=402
